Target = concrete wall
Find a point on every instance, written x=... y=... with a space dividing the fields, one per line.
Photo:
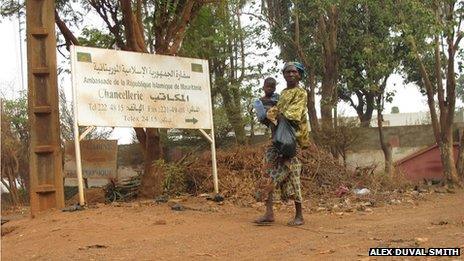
x=375 y=158
x=405 y=140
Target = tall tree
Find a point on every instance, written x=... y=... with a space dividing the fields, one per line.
x=433 y=34
x=219 y=35
x=308 y=31
x=367 y=54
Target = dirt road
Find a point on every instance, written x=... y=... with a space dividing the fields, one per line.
x=146 y=231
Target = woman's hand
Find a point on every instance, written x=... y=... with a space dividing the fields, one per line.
x=273 y=114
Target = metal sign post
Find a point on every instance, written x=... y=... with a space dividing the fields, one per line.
x=211 y=140
x=80 y=180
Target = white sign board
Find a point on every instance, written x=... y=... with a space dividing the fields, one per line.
x=99 y=159
x=128 y=89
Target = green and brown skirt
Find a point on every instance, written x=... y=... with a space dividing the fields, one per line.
x=285 y=174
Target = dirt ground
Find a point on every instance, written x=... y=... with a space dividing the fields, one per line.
x=148 y=231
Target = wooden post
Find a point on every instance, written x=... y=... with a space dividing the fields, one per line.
x=45 y=165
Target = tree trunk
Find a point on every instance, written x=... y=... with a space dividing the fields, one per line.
x=442 y=127
x=329 y=28
x=234 y=115
x=252 y=124
x=386 y=147
x=311 y=91
x=150 y=142
x=460 y=162
x=311 y=104
x=447 y=159
x=366 y=117
x=152 y=179
x=13 y=197
x=13 y=189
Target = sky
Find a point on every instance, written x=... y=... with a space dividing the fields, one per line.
x=407 y=98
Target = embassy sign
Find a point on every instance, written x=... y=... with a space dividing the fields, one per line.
x=113 y=88
x=127 y=89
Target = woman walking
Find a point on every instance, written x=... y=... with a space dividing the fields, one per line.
x=283 y=173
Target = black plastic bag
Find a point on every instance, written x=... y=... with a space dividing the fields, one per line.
x=284 y=138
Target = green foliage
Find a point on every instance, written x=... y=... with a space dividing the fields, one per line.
x=175 y=181
x=11 y=7
x=420 y=23
x=15 y=144
x=96 y=38
x=460 y=88
x=16 y=113
x=369 y=51
x=221 y=123
x=217 y=34
x=342 y=137
x=281 y=15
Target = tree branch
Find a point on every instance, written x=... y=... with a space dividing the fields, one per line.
x=128 y=20
x=67 y=34
x=429 y=90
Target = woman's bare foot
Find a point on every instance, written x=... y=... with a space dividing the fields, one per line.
x=264 y=219
x=297 y=221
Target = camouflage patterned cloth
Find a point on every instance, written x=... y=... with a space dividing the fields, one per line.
x=292 y=104
x=285 y=174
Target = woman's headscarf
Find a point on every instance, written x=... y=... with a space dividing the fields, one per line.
x=298 y=66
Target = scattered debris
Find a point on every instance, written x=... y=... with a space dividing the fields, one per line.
x=441 y=223
x=178 y=207
x=96 y=246
x=330 y=251
x=162 y=199
x=341 y=191
x=7 y=230
x=361 y=192
x=75 y=207
x=205 y=254
x=218 y=198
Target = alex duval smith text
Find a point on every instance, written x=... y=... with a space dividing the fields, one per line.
x=415 y=251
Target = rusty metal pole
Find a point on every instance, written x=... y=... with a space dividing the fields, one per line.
x=45 y=165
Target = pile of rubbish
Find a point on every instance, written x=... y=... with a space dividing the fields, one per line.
x=241 y=170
